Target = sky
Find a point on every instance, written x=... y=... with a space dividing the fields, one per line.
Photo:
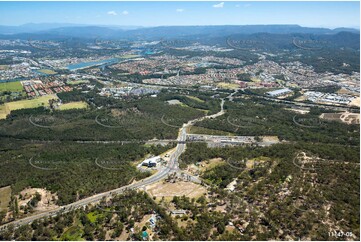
x=308 y=14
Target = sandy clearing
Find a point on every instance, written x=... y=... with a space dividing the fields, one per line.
x=47 y=201
x=164 y=189
x=355 y=102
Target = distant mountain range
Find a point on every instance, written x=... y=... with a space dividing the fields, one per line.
x=59 y=30
x=37 y=27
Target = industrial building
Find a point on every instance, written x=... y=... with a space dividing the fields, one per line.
x=279 y=92
x=151 y=162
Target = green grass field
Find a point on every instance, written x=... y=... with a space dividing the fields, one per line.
x=6 y=108
x=47 y=71
x=195 y=99
x=5 y=197
x=255 y=79
x=11 y=87
x=73 y=234
x=3 y=112
x=128 y=56
x=77 y=82
x=73 y=105
x=92 y=216
x=226 y=85
x=31 y=103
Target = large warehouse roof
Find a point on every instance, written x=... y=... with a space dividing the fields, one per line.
x=279 y=92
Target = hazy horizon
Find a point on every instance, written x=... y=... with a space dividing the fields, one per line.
x=140 y=26
x=154 y=14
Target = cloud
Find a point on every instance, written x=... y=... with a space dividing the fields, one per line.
x=219 y=5
x=237 y=5
x=112 y=13
x=125 y=12
x=179 y=10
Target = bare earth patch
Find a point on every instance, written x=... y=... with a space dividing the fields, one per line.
x=47 y=202
x=270 y=139
x=346 y=117
x=301 y=111
x=5 y=197
x=163 y=189
x=355 y=102
x=174 y=102
x=204 y=165
x=350 y=118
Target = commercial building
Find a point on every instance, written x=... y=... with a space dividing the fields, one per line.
x=151 y=162
x=279 y=92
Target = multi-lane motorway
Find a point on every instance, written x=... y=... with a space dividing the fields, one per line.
x=163 y=172
x=172 y=166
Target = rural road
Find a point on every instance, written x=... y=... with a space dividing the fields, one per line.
x=162 y=173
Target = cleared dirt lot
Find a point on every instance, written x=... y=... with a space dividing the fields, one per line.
x=5 y=197
x=270 y=139
x=204 y=165
x=355 y=102
x=47 y=201
x=346 y=117
x=165 y=189
x=350 y=118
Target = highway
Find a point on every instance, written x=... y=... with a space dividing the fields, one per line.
x=306 y=104
x=172 y=166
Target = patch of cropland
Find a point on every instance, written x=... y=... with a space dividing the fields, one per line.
x=281 y=192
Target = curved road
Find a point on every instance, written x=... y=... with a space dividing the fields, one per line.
x=163 y=172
